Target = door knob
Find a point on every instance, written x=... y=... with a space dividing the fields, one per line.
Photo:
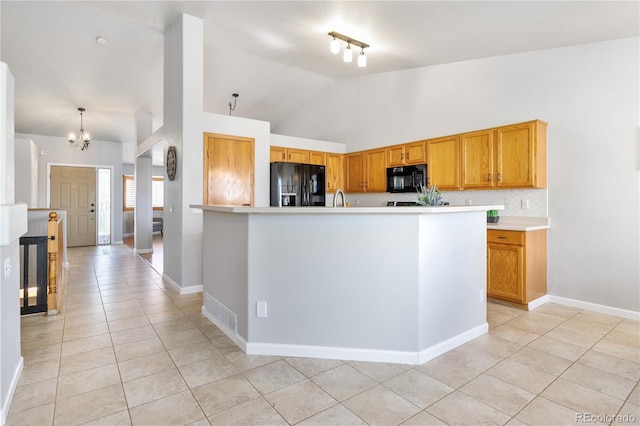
x=92 y=211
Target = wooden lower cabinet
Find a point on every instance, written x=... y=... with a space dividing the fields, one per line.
x=516 y=265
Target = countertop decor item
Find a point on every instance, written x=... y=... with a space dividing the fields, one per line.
x=429 y=196
x=493 y=216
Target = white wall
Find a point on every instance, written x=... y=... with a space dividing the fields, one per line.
x=310 y=144
x=13 y=224
x=57 y=152
x=27 y=155
x=589 y=95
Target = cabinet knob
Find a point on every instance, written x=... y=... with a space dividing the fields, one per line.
x=499 y=177
x=489 y=177
x=407 y=155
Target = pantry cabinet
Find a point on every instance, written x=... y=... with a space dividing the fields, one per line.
x=406 y=154
x=443 y=162
x=512 y=156
x=516 y=265
x=366 y=171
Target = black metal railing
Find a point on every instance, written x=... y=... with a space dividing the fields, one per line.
x=40 y=278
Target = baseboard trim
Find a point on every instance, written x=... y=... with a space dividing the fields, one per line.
x=143 y=251
x=538 y=302
x=348 y=354
x=182 y=290
x=603 y=309
x=6 y=404
x=452 y=343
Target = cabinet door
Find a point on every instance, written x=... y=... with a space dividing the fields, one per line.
x=277 y=154
x=477 y=159
x=376 y=171
x=354 y=179
x=415 y=153
x=297 y=156
x=228 y=170
x=515 y=156
x=395 y=155
x=505 y=272
x=317 y=157
x=335 y=172
x=443 y=162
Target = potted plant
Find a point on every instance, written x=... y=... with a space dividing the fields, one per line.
x=429 y=196
x=493 y=216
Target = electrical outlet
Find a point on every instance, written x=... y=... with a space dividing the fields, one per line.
x=524 y=204
x=467 y=202
x=261 y=309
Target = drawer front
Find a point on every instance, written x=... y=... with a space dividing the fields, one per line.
x=505 y=237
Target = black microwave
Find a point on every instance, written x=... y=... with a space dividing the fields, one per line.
x=406 y=178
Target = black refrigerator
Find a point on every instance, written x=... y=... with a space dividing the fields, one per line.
x=294 y=184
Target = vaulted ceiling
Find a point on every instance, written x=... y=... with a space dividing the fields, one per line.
x=275 y=54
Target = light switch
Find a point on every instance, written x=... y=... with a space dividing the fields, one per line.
x=262 y=310
x=7 y=269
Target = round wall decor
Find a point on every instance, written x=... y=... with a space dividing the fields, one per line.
x=172 y=163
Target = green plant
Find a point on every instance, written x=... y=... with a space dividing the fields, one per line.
x=493 y=213
x=429 y=196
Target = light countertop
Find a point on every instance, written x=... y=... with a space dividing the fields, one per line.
x=346 y=210
x=520 y=223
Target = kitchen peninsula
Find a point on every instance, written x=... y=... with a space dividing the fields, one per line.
x=401 y=284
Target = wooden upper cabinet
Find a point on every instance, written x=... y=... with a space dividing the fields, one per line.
x=334 y=172
x=354 y=172
x=277 y=153
x=443 y=162
x=521 y=155
x=289 y=155
x=317 y=157
x=512 y=156
x=410 y=153
x=376 y=171
x=297 y=156
x=366 y=171
x=477 y=159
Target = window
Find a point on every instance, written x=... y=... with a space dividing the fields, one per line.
x=129 y=192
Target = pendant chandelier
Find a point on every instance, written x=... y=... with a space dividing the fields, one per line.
x=84 y=139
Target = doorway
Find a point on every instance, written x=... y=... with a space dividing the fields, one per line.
x=76 y=190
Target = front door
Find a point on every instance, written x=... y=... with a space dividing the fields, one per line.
x=74 y=189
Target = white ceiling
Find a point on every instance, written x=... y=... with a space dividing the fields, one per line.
x=275 y=54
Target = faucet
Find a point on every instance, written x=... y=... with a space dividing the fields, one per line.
x=335 y=198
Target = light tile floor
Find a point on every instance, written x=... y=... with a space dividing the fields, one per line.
x=129 y=350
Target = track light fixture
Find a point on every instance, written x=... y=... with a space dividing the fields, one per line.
x=348 y=53
x=84 y=138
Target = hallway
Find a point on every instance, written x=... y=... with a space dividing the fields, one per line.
x=129 y=350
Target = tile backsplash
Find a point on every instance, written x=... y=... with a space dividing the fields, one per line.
x=517 y=202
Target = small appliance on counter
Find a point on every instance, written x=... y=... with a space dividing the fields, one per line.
x=295 y=184
x=406 y=178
